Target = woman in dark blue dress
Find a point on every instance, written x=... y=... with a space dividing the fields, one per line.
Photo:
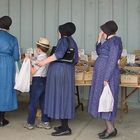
x=60 y=84
x=9 y=53
x=106 y=71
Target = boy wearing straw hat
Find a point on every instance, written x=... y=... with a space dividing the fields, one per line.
x=37 y=92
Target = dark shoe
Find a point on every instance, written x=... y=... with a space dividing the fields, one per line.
x=57 y=128
x=61 y=132
x=102 y=133
x=4 y=122
x=109 y=135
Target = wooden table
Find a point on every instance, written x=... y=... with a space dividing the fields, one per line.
x=124 y=96
x=123 y=101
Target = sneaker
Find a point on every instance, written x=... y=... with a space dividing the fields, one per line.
x=29 y=126
x=45 y=125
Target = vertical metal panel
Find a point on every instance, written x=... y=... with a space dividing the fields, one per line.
x=52 y=20
x=26 y=24
x=64 y=11
x=120 y=16
x=105 y=11
x=14 y=13
x=78 y=17
x=91 y=22
x=41 y=18
x=4 y=5
x=38 y=20
x=35 y=18
x=133 y=25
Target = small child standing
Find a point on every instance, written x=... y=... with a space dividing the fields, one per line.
x=37 y=93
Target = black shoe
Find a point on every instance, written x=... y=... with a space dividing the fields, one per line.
x=109 y=135
x=4 y=122
x=61 y=132
x=57 y=128
x=102 y=133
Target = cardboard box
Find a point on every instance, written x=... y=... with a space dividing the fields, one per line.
x=80 y=68
x=79 y=77
x=137 y=52
x=83 y=74
x=91 y=62
x=136 y=69
x=88 y=75
x=137 y=61
x=130 y=79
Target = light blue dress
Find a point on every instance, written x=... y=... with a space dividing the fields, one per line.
x=9 y=53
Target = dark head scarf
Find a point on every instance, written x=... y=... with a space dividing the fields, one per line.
x=5 y=22
x=109 y=27
x=67 y=29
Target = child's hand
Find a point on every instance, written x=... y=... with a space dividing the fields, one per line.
x=22 y=56
x=26 y=57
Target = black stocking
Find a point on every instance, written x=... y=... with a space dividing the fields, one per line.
x=2 y=116
x=64 y=124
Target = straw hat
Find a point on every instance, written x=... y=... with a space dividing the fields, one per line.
x=44 y=42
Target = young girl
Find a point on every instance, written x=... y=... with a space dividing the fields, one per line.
x=37 y=92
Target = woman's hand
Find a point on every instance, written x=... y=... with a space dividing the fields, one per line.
x=105 y=83
x=46 y=61
x=41 y=63
x=100 y=36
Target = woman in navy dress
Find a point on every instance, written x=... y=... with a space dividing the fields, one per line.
x=60 y=84
x=9 y=53
x=106 y=71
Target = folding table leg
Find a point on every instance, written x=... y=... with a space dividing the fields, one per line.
x=78 y=99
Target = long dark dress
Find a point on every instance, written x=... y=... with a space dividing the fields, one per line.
x=60 y=84
x=106 y=68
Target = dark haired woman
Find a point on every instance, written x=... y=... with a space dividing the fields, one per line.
x=9 y=53
x=106 y=71
x=60 y=85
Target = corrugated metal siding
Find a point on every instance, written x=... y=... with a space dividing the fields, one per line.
x=36 y=18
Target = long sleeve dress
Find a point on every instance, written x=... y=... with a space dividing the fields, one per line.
x=60 y=84
x=106 y=69
x=9 y=53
